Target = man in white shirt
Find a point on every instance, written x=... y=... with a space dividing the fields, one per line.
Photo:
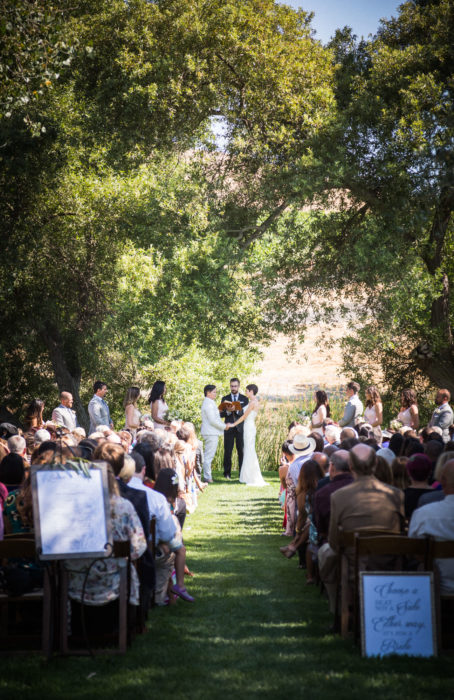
x=158 y=507
x=437 y=519
x=211 y=429
x=64 y=415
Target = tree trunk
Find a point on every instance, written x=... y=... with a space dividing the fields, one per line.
x=439 y=365
x=438 y=368
x=66 y=381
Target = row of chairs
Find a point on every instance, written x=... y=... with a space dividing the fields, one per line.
x=362 y=548
x=53 y=600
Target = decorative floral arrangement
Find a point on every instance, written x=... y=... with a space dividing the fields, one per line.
x=304 y=418
x=396 y=425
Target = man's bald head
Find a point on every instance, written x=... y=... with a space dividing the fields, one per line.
x=362 y=459
x=66 y=399
x=447 y=478
x=321 y=459
x=339 y=463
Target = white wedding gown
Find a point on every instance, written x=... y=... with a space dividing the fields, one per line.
x=250 y=473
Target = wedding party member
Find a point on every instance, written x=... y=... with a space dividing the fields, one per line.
x=132 y=413
x=408 y=414
x=98 y=409
x=235 y=434
x=374 y=412
x=353 y=408
x=34 y=415
x=250 y=473
x=437 y=520
x=442 y=417
x=211 y=429
x=321 y=412
x=158 y=406
x=64 y=415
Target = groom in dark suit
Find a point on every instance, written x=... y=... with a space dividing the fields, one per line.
x=233 y=434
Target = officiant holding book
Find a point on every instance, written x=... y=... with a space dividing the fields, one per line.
x=233 y=435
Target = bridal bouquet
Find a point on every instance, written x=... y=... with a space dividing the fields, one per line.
x=173 y=415
x=304 y=418
x=396 y=425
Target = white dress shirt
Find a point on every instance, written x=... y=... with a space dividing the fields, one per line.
x=158 y=507
x=437 y=519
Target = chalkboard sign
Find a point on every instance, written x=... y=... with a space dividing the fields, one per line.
x=397 y=614
x=71 y=511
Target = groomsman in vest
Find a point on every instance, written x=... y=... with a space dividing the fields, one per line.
x=234 y=435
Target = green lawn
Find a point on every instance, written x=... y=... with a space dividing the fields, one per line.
x=255 y=630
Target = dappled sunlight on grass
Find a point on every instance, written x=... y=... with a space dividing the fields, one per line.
x=255 y=630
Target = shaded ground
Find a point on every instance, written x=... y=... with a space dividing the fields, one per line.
x=255 y=631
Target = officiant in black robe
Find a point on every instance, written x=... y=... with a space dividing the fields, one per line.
x=233 y=435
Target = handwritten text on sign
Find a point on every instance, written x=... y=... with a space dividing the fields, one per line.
x=397 y=614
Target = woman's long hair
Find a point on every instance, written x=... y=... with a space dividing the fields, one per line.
x=132 y=394
x=322 y=400
x=374 y=396
x=34 y=410
x=157 y=391
x=309 y=476
x=408 y=398
x=167 y=484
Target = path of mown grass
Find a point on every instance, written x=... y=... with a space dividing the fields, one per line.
x=256 y=629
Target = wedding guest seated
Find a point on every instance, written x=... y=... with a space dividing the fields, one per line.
x=97 y=582
x=400 y=475
x=433 y=449
x=436 y=493
x=437 y=520
x=387 y=454
x=332 y=435
x=319 y=441
x=383 y=471
x=340 y=476
x=41 y=436
x=365 y=504
x=395 y=444
x=167 y=485
x=306 y=532
x=301 y=448
x=419 y=470
x=12 y=471
x=411 y=446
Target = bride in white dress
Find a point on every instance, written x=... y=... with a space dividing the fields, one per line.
x=250 y=473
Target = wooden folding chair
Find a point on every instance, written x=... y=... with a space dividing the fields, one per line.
x=15 y=547
x=444 y=601
x=400 y=548
x=344 y=599
x=120 y=550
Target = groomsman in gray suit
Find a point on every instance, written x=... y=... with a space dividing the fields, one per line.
x=211 y=429
x=442 y=417
x=353 y=408
x=64 y=415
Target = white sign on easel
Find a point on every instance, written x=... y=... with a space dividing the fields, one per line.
x=71 y=511
x=397 y=614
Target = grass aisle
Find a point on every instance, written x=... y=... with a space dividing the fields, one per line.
x=255 y=630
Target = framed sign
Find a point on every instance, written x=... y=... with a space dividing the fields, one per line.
x=71 y=511
x=397 y=614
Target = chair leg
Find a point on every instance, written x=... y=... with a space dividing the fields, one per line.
x=345 y=613
x=123 y=614
x=47 y=615
x=63 y=611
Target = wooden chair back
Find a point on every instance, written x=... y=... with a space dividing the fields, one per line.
x=17 y=547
